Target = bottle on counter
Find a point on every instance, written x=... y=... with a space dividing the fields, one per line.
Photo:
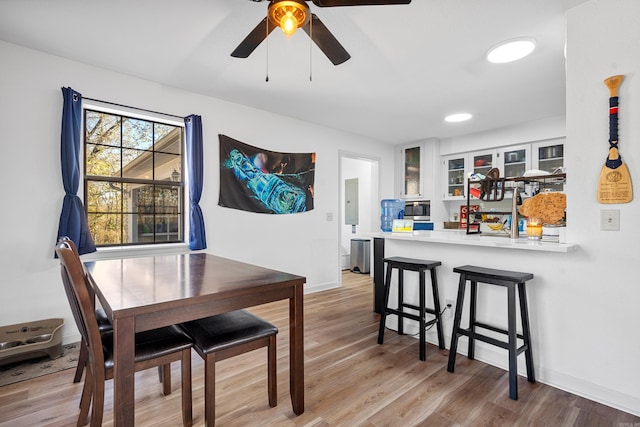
x=390 y=209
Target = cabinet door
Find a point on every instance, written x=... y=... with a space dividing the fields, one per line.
x=549 y=156
x=412 y=171
x=455 y=178
x=516 y=160
x=483 y=161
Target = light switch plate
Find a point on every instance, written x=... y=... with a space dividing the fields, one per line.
x=610 y=220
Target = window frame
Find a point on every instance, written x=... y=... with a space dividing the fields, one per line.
x=139 y=248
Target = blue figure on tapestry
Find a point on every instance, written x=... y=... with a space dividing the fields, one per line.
x=258 y=180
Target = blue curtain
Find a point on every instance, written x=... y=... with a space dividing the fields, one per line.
x=73 y=220
x=193 y=125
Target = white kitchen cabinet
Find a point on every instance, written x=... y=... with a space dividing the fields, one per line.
x=412 y=171
x=481 y=162
x=514 y=160
x=548 y=155
x=458 y=167
x=455 y=177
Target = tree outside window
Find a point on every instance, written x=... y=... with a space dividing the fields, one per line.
x=133 y=180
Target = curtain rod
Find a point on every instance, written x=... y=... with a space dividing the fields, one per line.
x=135 y=108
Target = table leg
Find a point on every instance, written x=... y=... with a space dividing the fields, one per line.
x=123 y=371
x=296 y=351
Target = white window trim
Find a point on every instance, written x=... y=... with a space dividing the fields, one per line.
x=115 y=252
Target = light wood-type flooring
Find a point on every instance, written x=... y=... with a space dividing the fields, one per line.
x=350 y=380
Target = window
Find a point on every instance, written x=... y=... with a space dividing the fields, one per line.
x=133 y=180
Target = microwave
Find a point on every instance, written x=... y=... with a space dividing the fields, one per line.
x=417 y=210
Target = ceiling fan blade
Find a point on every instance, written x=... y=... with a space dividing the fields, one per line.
x=333 y=3
x=327 y=43
x=253 y=39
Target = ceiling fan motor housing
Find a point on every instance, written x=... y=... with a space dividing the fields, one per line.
x=295 y=9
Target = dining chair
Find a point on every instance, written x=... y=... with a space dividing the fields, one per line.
x=104 y=325
x=153 y=348
x=220 y=337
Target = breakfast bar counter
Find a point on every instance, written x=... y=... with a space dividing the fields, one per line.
x=551 y=266
x=459 y=237
x=455 y=247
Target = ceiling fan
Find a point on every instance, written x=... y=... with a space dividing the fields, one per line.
x=290 y=15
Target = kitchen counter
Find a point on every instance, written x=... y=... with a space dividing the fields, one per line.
x=459 y=237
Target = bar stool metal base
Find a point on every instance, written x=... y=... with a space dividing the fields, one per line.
x=420 y=266
x=511 y=280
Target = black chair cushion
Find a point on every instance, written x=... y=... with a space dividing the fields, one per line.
x=227 y=330
x=103 y=320
x=150 y=344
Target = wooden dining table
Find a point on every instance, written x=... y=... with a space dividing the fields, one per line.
x=144 y=293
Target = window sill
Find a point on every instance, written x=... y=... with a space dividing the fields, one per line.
x=137 y=251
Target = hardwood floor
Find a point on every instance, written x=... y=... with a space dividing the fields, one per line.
x=350 y=381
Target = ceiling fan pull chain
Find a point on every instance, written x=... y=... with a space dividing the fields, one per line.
x=310 y=48
x=266 y=79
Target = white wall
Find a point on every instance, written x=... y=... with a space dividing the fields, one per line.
x=32 y=192
x=601 y=301
x=520 y=133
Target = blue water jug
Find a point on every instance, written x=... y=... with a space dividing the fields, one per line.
x=390 y=209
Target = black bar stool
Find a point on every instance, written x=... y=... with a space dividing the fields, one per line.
x=510 y=280
x=419 y=266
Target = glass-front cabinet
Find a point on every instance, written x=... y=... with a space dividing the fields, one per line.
x=483 y=162
x=512 y=161
x=412 y=171
x=455 y=177
x=516 y=160
x=549 y=156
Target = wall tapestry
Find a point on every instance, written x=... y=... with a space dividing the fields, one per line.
x=257 y=180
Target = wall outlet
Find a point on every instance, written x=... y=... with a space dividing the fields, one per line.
x=610 y=220
x=450 y=308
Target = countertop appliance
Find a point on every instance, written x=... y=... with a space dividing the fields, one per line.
x=420 y=212
x=417 y=210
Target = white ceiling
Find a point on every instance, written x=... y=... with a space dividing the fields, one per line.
x=410 y=65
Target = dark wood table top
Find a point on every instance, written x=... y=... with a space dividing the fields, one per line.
x=154 y=282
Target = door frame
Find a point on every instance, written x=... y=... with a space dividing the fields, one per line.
x=375 y=197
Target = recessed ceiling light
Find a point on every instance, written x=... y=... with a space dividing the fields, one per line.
x=511 y=50
x=460 y=117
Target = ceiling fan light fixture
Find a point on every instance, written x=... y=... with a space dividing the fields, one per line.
x=511 y=50
x=289 y=15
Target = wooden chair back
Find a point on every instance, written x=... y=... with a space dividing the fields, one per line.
x=82 y=305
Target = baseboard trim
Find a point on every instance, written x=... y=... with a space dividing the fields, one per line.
x=318 y=287
x=497 y=357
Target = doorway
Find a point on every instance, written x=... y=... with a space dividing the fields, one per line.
x=363 y=170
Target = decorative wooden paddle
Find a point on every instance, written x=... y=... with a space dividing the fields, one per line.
x=614 y=185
